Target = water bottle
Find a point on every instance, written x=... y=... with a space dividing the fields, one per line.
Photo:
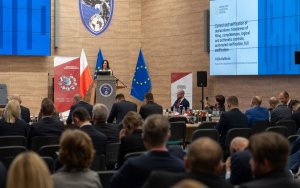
x=183 y=111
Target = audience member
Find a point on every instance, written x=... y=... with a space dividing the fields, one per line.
x=203 y=163
x=81 y=119
x=76 y=153
x=131 y=135
x=100 y=113
x=150 y=107
x=78 y=102
x=120 y=109
x=11 y=123
x=270 y=153
x=135 y=171
x=279 y=112
x=220 y=105
x=296 y=112
x=233 y=118
x=284 y=98
x=25 y=112
x=2 y=175
x=256 y=112
x=238 y=168
x=48 y=125
x=181 y=102
x=28 y=170
x=189 y=183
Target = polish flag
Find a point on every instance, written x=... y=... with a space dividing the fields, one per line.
x=85 y=75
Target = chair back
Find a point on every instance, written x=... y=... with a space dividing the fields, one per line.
x=38 y=141
x=133 y=154
x=211 y=133
x=98 y=163
x=49 y=151
x=112 y=153
x=289 y=124
x=279 y=129
x=293 y=138
x=178 y=132
x=178 y=118
x=259 y=126
x=12 y=141
x=207 y=125
x=105 y=177
x=8 y=153
x=235 y=132
x=50 y=163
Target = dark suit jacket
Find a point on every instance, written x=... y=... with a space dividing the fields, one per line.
x=19 y=128
x=110 y=130
x=25 y=114
x=98 y=138
x=296 y=118
x=183 y=104
x=135 y=171
x=231 y=119
x=82 y=104
x=256 y=114
x=2 y=176
x=47 y=126
x=168 y=179
x=149 y=109
x=119 y=110
x=129 y=144
x=281 y=112
x=240 y=168
x=274 y=180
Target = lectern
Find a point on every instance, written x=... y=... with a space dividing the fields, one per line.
x=106 y=90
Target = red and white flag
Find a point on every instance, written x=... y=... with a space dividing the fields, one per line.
x=85 y=75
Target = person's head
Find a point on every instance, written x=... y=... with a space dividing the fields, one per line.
x=256 y=101
x=204 y=155
x=156 y=131
x=28 y=170
x=149 y=97
x=284 y=97
x=220 y=99
x=16 y=97
x=273 y=102
x=180 y=93
x=295 y=104
x=270 y=152
x=131 y=122
x=119 y=97
x=12 y=111
x=232 y=102
x=77 y=98
x=76 y=150
x=47 y=107
x=100 y=113
x=80 y=115
x=189 y=183
x=105 y=65
x=238 y=144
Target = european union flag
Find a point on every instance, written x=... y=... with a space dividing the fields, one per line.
x=98 y=64
x=141 y=82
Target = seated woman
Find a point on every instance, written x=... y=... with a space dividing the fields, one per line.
x=220 y=101
x=11 y=124
x=28 y=170
x=76 y=153
x=131 y=135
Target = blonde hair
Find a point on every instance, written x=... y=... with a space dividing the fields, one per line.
x=132 y=121
x=28 y=170
x=12 y=111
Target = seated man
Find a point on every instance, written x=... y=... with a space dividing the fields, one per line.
x=181 y=102
x=81 y=119
x=48 y=125
x=256 y=112
x=270 y=153
x=150 y=107
x=120 y=109
x=135 y=171
x=203 y=163
x=279 y=112
x=100 y=113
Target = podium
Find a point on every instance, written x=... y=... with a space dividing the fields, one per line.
x=106 y=90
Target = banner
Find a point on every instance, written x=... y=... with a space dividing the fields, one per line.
x=66 y=82
x=182 y=81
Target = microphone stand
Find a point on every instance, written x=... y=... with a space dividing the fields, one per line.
x=118 y=80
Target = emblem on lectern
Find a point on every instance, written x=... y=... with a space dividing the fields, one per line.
x=106 y=90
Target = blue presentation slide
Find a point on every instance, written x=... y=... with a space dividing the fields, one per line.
x=25 y=27
x=254 y=37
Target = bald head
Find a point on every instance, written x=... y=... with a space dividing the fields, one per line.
x=204 y=155
x=180 y=93
x=16 y=97
x=238 y=144
x=189 y=183
x=77 y=98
